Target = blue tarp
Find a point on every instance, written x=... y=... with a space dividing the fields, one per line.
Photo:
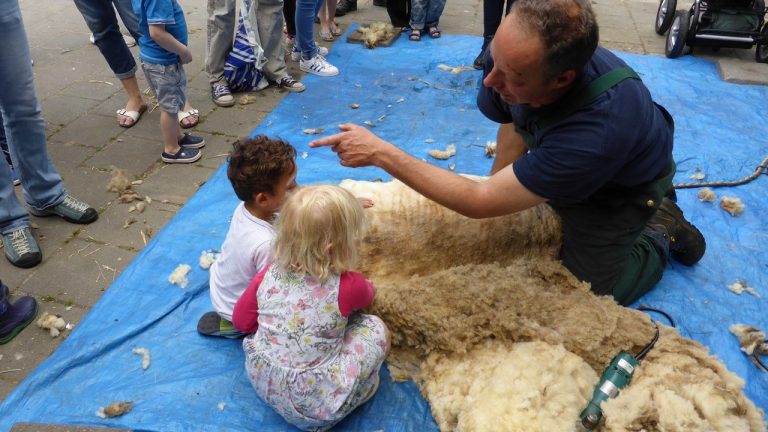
x=721 y=130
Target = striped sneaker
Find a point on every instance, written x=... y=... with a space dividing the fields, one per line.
x=319 y=66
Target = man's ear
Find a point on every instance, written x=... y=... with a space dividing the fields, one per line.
x=565 y=79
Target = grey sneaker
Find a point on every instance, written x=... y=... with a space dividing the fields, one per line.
x=21 y=248
x=221 y=95
x=71 y=209
x=290 y=84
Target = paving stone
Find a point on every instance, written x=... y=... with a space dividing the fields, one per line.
x=112 y=222
x=87 y=130
x=68 y=156
x=177 y=182
x=233 y=121
x=57 y=279
x=60 y=110
x=131 y=153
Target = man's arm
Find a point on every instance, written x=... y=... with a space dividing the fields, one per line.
x=169 y=43
x=509 y=147
x=501 y=194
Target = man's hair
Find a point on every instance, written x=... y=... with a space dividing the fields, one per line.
x=567 y=28
x=319 y=231
x=257 y=164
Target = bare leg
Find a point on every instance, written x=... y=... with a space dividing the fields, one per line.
x=169 y=126
x=324 y=19
x=135 y=101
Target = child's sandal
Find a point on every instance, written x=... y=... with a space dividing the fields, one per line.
x=415 y=35
x=434 y=32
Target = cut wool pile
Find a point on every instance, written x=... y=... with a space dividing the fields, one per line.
x=454 y=325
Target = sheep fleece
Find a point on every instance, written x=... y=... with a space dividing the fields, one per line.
x=479 y=310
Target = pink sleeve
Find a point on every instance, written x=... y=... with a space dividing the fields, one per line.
x=245 y=317
x=355 y=292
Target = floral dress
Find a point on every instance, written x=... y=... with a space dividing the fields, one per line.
x=307 y=361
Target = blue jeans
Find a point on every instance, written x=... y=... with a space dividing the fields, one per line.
x=23 y=125
x=426 y=13
x=306 y=11
x=101 y=19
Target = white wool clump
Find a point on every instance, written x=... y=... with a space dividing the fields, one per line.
x=179 y=275
x=732 y=205
x=53 y=323
x=675 y=394
x=737 y=287
x=740 y=286
x=528 y=386
x=115 y=409
x=221 y=406
x=707 y=195
x=208 y=257
x=490 y=148
x=443 y=154
x=749 y=337
x=145 y=354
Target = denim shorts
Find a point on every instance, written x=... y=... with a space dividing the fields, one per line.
x=169 y=83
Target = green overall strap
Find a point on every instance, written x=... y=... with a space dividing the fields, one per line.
x=588 y=94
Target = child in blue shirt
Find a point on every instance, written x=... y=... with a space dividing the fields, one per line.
x=163 y=50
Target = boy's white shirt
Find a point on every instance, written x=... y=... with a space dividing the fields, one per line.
x=246 y=250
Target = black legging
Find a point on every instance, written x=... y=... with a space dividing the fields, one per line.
x=492 y=15
x=399 y=12
x=289 y=12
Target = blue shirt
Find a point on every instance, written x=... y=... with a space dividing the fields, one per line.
x=621 y=139
x=168 y=13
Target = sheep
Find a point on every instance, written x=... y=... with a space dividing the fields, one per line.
x=466 y=298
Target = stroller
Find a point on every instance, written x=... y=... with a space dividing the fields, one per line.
x=716 y=24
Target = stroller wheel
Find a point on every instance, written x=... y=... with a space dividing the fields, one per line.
x=664 y=15
x=761 y=50
x=678 y=34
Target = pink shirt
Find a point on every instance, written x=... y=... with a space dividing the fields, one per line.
x=355 y=292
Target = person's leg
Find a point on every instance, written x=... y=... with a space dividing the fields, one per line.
x=25 y=132
x=325 y=27
x=492 y=14
x=418 y=14
x=220 y=34
x=270 y=33
x=24 y=126
x=128 y=16
x=434 y=12
x=399 y=12
x=100 y=18
x=289 y=13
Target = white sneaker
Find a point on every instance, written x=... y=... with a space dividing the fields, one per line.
x=296 y=54
x=318 y=65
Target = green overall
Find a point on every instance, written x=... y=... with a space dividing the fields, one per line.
x=603 y=239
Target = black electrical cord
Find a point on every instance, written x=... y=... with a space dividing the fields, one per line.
x=658 y=311
x=651 y=344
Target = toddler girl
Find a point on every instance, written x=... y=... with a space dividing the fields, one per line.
x=312 y=358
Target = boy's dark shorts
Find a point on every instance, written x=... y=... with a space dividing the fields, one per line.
x=169 y=83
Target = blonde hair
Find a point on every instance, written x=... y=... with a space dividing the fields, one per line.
x=319 y=231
